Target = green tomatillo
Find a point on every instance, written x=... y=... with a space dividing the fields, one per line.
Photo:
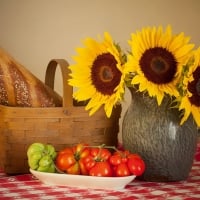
x=41 y=157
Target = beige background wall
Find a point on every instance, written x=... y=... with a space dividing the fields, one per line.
x=35 y=31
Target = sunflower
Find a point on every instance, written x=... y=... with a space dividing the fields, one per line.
x=157 y=58
x=190 y=101
x=99 y=74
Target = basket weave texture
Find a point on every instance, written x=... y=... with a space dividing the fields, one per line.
x=59 y=126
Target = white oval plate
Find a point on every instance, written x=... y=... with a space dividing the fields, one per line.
x=83 y=181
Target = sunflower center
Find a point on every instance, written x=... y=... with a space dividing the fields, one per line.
x=194 y=88
x=198 y=87
x=158 y=65
x=104 y=73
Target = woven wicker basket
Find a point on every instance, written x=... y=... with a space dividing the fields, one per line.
x=60 y=126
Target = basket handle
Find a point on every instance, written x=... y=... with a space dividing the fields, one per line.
x=50 y=78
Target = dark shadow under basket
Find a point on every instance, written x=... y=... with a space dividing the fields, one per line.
x=59 y=126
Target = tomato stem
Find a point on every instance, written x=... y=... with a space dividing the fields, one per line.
x=104 y=146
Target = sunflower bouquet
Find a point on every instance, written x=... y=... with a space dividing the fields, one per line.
x=159 y=63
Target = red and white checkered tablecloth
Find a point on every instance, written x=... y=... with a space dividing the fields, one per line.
x=26 y=187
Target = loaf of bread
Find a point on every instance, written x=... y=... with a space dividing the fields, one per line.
x=19 y=87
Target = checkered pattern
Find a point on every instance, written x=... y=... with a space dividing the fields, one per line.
x=25 y=187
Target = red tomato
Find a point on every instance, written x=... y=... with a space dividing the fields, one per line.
x=83 y=169
x=66 y=150
x=115 y=159
x=125 y=163
x=101 y=169
x=100 y=154
x=97 y=162
x=136 y=166
x=81 y=151
x=88 y=162
x=74 y=169
x=122 y=170
x=70 y=161
x=65 y=161
x=134 y=155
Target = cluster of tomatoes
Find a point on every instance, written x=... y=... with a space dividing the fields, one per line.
x=83 y=159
